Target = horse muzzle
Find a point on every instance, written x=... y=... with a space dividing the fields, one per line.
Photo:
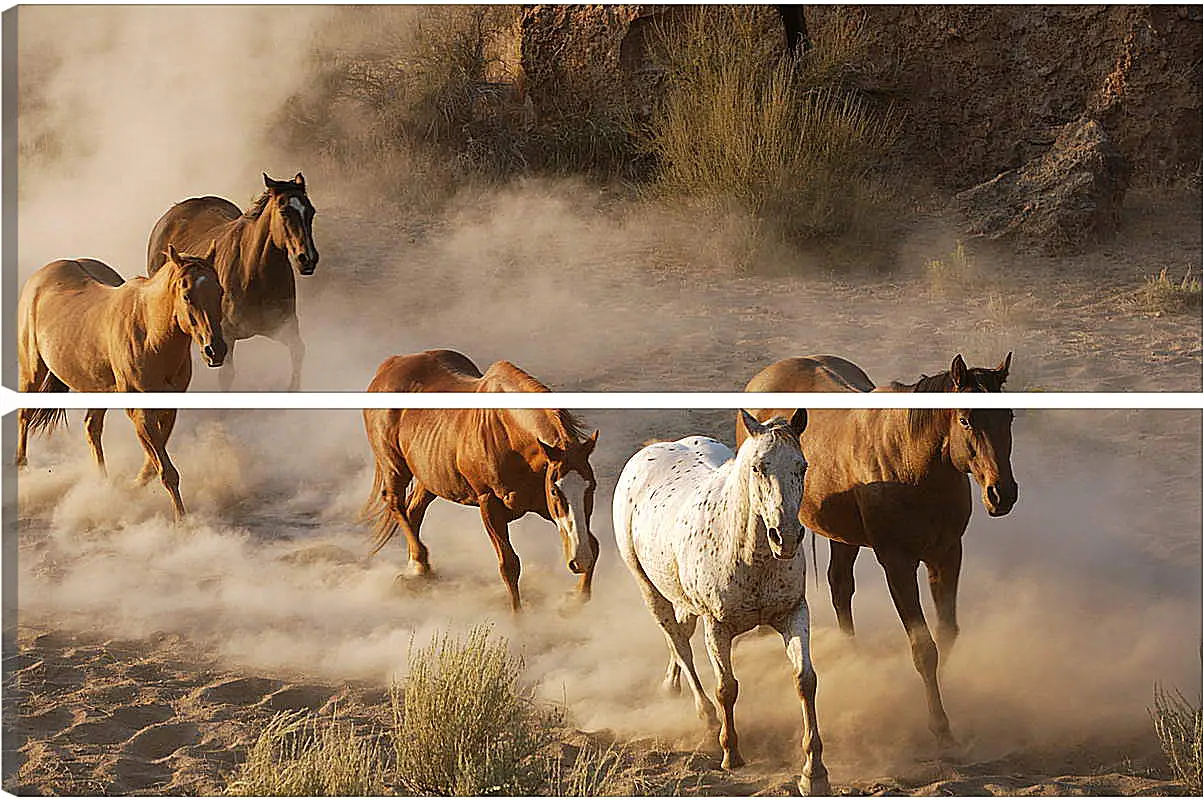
x=778 y=547
x=999 y=500
x=215 y=353
x=305 y=262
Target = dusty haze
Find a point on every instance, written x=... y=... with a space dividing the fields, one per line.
x=1072 y=606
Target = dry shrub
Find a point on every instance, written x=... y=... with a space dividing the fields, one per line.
x=780 y=139
x=465 y=725
x=1179 y=726
x=299 y=754
x=1165 y=295
x=597 y=771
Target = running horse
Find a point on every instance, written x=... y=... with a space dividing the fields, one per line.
x=256 y=254
x=507 y=462
x=83 y=328
x=896 y=480
x=713 y=535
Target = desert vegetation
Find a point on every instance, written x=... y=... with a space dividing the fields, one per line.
x=1179 y=726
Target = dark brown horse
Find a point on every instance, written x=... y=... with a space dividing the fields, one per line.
x=256 y=254
x=896 y=480
x=508 y=462
x=83 y=328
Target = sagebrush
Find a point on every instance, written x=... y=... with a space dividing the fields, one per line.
x=1179 y=726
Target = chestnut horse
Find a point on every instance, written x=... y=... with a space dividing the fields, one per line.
x=896 y=480
x=83 y=328
x=256 y=254
x=508 y=462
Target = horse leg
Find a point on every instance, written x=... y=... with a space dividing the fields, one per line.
x=795 y=630
x=494 y=515
x=900 y=571
x=150 y=425
x=842 y=581
x=419 y=500
x=943 y=575
x=584 y=586
x=29 y=379
x=718 y=645
x=94 y=426
x=290 y=337
x=672 y=676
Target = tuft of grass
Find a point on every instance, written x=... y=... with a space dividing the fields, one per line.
x=779 y=139
x=597 y=771
x=956 y=271
x=465 y=725
x=1165 y=295
x=1179 y=726
x=299 y=754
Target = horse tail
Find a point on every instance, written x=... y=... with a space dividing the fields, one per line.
x=45 y=420
x=376 y=512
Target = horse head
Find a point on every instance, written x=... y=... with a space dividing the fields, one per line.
x=197 y=308
x=292 y=221
x=569 y=485
x=776 y=474
x=979 y=439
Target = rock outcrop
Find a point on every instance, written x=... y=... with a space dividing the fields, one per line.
x=1063 y=201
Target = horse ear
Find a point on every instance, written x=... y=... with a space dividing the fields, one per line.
x=797 y=422
x=750 y=423
x=172 y=254
x=1004 y=369
x=591 y=443
x=959 y=372
x=552 y=452
x=299 y=180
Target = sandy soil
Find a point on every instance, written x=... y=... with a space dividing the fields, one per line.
x=147 y=657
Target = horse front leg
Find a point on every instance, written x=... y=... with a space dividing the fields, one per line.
x=943 y=576
x=841 y=578
x=584 y=586
x=795 y=630
x=496 y=519
x=94 y=427
x=227 y=370
x=290 y=337
x=153 y=427
x=718 y=645
x=900 y=571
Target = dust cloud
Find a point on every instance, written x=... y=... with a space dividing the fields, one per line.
x=1072 y=607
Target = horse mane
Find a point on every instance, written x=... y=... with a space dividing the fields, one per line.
x=921 y=419
x=255 y=209
x=512 y=378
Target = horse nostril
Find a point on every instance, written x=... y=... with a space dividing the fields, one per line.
x=775 y=537
x=573 y=566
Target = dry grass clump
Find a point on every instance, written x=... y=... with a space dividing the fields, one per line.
x=465 y=724
x=780 y=139
x=299 y=754
x=956 y=271
x=1165 y=295
x=1179 y=726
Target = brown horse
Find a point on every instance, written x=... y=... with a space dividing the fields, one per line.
x=896 y=480
x=83 y=328
x=508 y=462
x=256 y=253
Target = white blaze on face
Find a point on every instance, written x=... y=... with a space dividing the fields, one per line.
x=299 y=205
x=573 y=486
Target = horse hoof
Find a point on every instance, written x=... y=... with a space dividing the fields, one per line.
x=814 y=787
x=732 y=761
x=671 y=688
x=418 y=570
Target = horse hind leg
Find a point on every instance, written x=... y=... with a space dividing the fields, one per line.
x=841 y=578
x=419 y=500
x=33 y=373
x=672 y=675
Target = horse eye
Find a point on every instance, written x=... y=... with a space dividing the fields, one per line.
x=965 y=423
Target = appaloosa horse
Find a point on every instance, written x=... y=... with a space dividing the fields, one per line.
x=83 y=328
x=256 y=254
x=896 y=480
x=711 y=535
x=508 y=462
